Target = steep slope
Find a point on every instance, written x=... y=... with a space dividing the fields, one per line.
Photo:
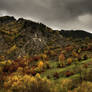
x=24 y=37
x=20 y=37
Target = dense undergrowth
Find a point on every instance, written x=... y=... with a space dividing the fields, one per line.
x=35 y=58
x=23 y=75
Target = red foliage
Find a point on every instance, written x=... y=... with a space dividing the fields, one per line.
x=27 y=71
x=89 y=47
x=84 y=48
x=48 y=53
x=36 y=58
x=30 y=59
x=85 y=65
x=69 y=48
x=33 y=72
x=10 y=68
x=18 y=60
x=68 y=73
x=56 y=75
x=34 y=66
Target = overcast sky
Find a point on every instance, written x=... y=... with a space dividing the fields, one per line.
x=57 y=14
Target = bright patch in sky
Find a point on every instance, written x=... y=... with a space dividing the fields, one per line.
x=85 y=18
x=3 y=13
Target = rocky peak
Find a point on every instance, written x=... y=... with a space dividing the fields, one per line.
x=7 y=19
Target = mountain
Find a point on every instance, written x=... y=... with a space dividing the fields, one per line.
x=75 y=33
x=20 y=37
x=24 y=37
x=34 y=56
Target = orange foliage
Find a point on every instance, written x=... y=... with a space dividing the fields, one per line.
x=69 y=61
x=69 y=48
x=85 y=65
x=61 y=57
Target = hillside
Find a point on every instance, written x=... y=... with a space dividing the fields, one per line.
x=34 y=57
x=25 y=37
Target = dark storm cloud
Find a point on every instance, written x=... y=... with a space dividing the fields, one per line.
x=69 y=14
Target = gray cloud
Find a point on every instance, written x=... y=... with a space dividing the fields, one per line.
x=60 y=14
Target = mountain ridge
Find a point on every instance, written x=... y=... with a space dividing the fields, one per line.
x=75 y=33
x=21 y=37
x=26 y=36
